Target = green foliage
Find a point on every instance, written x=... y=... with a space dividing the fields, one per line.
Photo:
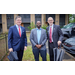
x=31 y=26
x=44 y=26
x=71 y=18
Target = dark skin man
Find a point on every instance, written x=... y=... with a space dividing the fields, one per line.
x=38 y=24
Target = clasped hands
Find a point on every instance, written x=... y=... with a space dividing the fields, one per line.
x=38 y=46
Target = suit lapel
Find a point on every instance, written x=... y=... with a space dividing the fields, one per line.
x=41 y=35
x=48 y=30
x=17 y=33
x=36 y=34
x=53 y=29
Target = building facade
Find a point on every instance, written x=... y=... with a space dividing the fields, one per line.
x=8 y=20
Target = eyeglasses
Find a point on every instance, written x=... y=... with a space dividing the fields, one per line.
x=50 y=20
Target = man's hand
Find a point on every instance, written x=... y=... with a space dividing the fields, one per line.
x=39 y=46
x=59 y=43
x=25 y=48
x=10 y=50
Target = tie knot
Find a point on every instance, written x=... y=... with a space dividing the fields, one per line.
x=18 y=26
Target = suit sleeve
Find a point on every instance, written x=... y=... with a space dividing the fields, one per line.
x=10 y=37
x=60 y=34
x=47 y=33
x=31 y=38
x=25 y=39
x=43 y=43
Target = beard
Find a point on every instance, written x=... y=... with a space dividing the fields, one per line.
x=38 y=26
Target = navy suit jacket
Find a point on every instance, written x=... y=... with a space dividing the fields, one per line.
x=14 y=40
x=57 y=34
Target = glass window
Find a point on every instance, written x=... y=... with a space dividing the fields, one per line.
x=10 y=20
x=26 y=25
x=10 y=16
x=37 y=15
x=0 y=18
x=37 y=18
x=62 y=19
x=26 y=15
x=25 y=18
x=50 y=15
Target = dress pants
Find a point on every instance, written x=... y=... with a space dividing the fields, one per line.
x=51 y=54
x=20 y=55
x=42 y=53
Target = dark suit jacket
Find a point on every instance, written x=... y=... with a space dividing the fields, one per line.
x=14 y=40
x=57 y=34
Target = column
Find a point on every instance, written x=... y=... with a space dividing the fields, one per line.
x=66 y=19
x=15 y=15
x=43 y=19
x=57 y=19
x=4 y=23
x=32 y=18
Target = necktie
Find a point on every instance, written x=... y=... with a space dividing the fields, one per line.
x=50 y=37
x=19 y=31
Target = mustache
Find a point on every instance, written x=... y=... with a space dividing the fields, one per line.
x=38 y=26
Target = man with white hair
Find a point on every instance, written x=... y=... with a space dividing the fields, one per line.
x=55 y=37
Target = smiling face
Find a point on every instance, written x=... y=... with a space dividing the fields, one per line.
x=50 y=21
x=18 y=21
x=38 y=24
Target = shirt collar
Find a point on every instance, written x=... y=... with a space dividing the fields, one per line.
x=51 y=26
x=17 y=25
x=38 y=29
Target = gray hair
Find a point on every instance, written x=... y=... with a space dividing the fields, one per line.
x=18 y=17
x=50 y=18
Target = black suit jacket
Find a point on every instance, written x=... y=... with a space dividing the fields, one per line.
x=57 y=34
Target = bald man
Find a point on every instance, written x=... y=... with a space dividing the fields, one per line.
x=38 y=39
x=54 y=36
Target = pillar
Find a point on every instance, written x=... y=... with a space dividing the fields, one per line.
x=66 y=19
x=43 y=19
x=57 y=19
x=4 y=23
x=15 y=15
x=32 y=18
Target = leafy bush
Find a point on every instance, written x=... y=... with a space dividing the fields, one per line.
x=44 y=26
x=31 y=26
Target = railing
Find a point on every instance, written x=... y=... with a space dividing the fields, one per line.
x=3 y=45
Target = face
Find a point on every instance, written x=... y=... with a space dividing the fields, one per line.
x=38 y=24
x=50 y=21
x=18 y=21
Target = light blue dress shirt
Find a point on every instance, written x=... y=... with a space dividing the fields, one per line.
x=52 y=31
x=18 y=28
x=38 y=34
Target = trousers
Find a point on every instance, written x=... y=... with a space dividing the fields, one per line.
x=42 y=53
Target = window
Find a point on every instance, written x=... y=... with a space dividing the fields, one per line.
x=62 y=19
x=50 y=15
x=0 y=18
x=37 y=18
x=26 y=15
x=10 y=20
x=26 y=26
x=10 y=16
x=25 y=18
